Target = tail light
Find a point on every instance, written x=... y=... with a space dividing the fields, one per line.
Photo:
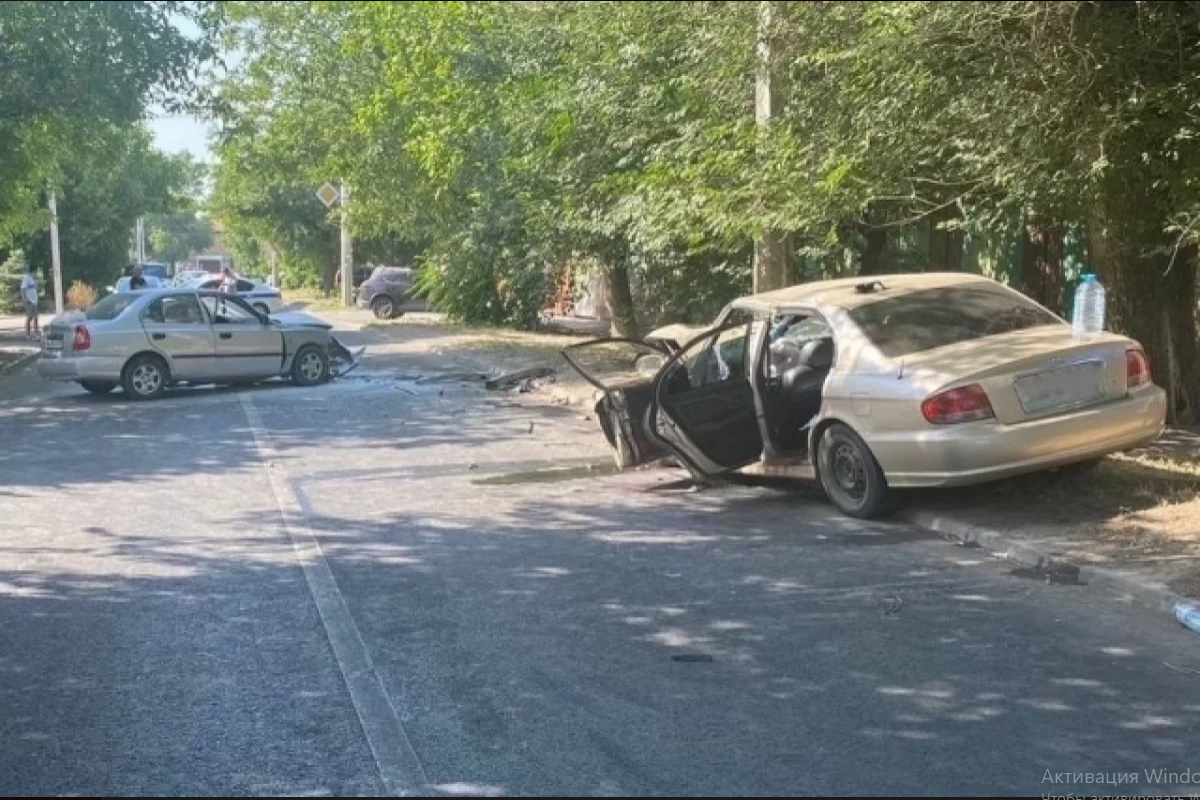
x=1137 y=368
x=83 y=338
x=964 y=404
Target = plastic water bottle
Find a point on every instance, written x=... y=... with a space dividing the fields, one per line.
x=1090 y=300
x=1188 y=615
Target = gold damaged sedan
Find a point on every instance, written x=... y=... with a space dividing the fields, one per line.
x=869 y=385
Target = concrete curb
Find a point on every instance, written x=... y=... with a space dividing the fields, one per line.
x=19 y=363
x=1123 y=587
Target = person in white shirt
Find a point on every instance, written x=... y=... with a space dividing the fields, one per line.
x=29 y=297
x=228 y=281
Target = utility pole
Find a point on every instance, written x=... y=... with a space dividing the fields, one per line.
x=55 y=255
x=141 y=240
x=347 y=250
x=770 y=250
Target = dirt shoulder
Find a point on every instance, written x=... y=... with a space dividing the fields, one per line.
x=1137 y=514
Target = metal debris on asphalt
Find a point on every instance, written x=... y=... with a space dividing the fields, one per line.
x=520 y=378
x=692 y=658
x=892 y=605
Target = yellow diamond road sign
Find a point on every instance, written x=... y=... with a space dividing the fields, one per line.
x=327 y=195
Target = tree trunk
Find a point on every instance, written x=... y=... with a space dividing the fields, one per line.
x=772 y=263
x=620 y=296
x=945 y=246
x=329 y=273
x=1041 y=262
x=872 y=262
x=772 y=267
x=1150 y=299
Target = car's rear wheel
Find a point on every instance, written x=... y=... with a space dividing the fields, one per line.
x=850 y=475
x=311 y=366
x=383 y=307
x=98 y=387
x=145 y=377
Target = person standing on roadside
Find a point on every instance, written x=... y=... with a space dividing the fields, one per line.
x=228 y=281
x=29 y=298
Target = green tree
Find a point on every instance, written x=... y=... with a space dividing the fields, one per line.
x=174 y=237
x=104 y=187
x=68 y=69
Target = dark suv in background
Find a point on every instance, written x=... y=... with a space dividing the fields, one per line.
x=389 y=292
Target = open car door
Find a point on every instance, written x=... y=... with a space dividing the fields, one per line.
x=704 y=408
x=623 y=371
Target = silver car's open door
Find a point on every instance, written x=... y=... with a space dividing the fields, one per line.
x=703 y=404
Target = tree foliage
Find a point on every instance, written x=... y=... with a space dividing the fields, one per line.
x=72 y=71
x=508 y=139
x=102 y=190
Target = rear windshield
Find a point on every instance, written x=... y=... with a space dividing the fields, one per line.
x=111 y=306
x=933 y=318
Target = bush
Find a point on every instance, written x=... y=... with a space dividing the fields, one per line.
x=81 y=296
x=11 y=272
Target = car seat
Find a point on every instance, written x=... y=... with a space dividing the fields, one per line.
x=801 y=389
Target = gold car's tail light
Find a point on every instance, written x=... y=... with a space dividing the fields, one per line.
x=964 y=404
x=1137 y=368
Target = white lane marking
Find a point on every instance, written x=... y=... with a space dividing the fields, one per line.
x=399 y=767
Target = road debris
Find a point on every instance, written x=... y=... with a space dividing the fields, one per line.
x=519 y=379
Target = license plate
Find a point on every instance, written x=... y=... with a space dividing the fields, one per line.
x=1078 y=384
x=54 y=344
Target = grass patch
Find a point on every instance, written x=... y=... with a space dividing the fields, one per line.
x=314 y=300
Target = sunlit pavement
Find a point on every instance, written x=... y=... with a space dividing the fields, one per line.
x=377 y=586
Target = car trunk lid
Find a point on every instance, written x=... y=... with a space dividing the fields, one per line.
x=1030 y=374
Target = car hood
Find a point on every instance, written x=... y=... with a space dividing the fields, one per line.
x=676 y=335
x=300 y=319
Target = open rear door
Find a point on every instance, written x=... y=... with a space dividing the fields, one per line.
x=703 y=406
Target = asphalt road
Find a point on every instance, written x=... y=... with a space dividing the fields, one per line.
x=382 y=586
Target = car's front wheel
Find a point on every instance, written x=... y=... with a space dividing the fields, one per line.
x=145 y=377
x=383 y=307
x=311 y=366
x=850 y=475
x=98 y=387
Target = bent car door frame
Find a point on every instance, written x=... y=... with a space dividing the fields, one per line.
x=628 y=404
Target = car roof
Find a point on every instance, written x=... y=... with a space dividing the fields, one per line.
x=843 y=292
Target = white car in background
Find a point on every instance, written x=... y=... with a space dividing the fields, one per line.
x=123 y=287
x=263 y=298
x=191 y=276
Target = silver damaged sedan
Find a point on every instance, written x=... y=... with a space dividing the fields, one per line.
x=146 y=341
